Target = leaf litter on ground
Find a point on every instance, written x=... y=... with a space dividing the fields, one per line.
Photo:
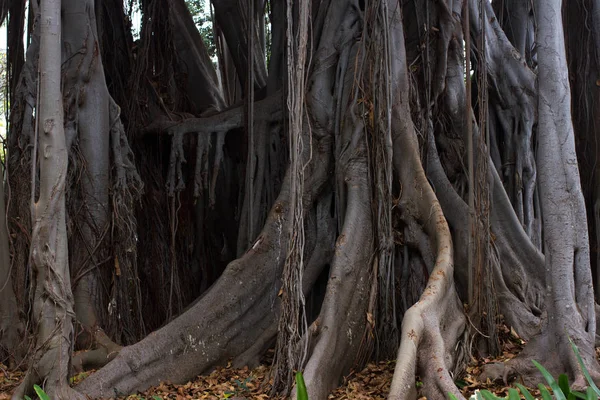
x=370 y=383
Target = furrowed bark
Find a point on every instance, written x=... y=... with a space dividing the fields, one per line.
x=53 y=303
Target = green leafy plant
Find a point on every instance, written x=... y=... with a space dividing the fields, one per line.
x=40 y=392
x=301 y=392
x=560 y=388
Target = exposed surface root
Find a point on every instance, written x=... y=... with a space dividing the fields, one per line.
x=432 y=326
x=226 y=321
x=562 y=360
x=104 y=351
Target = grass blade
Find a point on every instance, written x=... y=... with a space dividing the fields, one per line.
x=555 y=388
x=579 y=395
x=513 y=394
x=40 y=392
x=301 y=392
x=563 y=383
x=544 y=391
x=525 y=392
x=591 y=395
x=487 y=395
x=583 y=368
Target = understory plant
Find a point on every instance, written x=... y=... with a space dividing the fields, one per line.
x=560 y=388
x=40 y=392
x=302 y=394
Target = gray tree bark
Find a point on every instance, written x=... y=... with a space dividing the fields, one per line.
x=53 y=301
x=11 y=328
x=570 y=295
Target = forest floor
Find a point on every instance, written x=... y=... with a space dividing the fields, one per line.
x=373 y=382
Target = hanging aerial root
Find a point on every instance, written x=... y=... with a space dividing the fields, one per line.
x=290 y=353
x=127 y=188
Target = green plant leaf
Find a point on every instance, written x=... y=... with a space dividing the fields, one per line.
x=583 y=368
x=563 y=383
x=525 y=392
x=555 y=388
x=40 y=392
x=577 y=395
x=544 y=391
x=452 y=397
x=301 y=393
x=460 y=383
x=487 y=395
x=591 y=395
x=27 y=397
x=513 y=394
x=156 y=398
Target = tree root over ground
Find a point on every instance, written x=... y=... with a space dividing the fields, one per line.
x=236 y=313
x=372 y=382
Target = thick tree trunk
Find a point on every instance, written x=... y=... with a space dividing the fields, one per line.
x=87 y=128
x=570 y=297
x=53 y=301
x=11 y=328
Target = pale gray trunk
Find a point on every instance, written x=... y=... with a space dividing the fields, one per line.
x=570 y=298
x=88 y=125
x=53 y=302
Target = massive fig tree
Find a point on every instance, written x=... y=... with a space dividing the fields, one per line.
x=344 y=180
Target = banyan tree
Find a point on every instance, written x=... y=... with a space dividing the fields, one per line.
x=337 y=180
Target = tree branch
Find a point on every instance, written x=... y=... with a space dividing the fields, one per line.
x=267 y=109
